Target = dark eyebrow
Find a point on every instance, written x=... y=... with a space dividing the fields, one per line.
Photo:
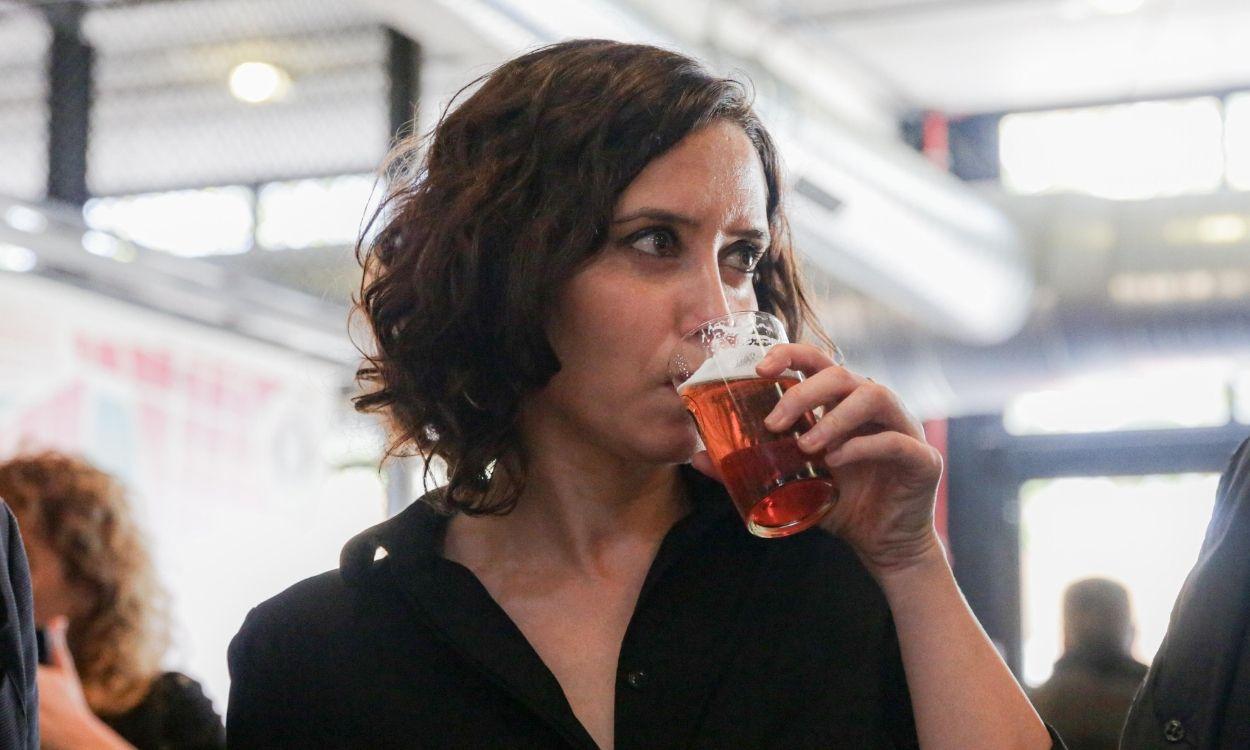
x=656 y=214
x=659 y=214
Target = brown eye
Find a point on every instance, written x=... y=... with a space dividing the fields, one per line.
x=745 y=257
x=657 y=242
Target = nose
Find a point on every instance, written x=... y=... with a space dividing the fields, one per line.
x=706 y=297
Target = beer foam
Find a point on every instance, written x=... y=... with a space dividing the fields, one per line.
x=727 y=364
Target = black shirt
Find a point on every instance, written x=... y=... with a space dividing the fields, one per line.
x=735 y=642
x=174 y=715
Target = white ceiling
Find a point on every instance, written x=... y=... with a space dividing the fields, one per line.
x=967 y=56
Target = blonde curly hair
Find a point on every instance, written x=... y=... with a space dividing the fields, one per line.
x=82 y=516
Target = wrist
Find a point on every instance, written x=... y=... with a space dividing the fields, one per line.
x=927 y=563
x=901 y=556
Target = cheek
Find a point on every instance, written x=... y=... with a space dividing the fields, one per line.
x=606 y=312
x=611 y=292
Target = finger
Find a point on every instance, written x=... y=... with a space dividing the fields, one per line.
x=805 y=358
x=869 y=408
x=909 y=454
x=826 y=387
x=703 y=462
x=58 y=645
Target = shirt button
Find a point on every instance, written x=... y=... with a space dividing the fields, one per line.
x=1174 y=731
x=637 y=679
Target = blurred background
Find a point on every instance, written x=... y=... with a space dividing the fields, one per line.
x=1029 y=217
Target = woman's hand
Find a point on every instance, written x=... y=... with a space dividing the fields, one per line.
x=887 y=479
x=65 y=719
x=885 y=472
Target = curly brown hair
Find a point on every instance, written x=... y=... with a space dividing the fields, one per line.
x=80 y=513
x=493 y=211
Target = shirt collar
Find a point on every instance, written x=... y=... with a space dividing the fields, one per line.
x=417 y=531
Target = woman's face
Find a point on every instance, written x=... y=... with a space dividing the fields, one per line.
x=53 y=593
x=684 y=238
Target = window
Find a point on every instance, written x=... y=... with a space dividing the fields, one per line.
x=1143 y=532
x=1122 y=152
x=1237 y=140
x=1146 y=396
x=212 y=221
x=1241 y=396
x=315 y=213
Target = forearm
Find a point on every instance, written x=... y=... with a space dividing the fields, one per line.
x=86 y=735
x=962 y=693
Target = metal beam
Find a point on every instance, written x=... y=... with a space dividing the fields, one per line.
x=70 y=63
x=403 y=70
x=984 y=528
x=974 y=147
x=1129 y=453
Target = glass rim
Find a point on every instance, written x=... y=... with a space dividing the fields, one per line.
x=729 y=316
x=837 y=355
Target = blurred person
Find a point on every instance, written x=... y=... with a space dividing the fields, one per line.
x=19 y=701
x=1088 y=696
x=576 y=584
x=1197 y=694
x=101 y=610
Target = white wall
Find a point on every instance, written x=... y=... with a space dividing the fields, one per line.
x=234 y=451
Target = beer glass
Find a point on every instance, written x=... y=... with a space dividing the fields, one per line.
x=777 y=488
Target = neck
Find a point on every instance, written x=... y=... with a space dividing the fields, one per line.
x=581 y=507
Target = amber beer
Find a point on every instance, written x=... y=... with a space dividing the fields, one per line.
x=777 y=488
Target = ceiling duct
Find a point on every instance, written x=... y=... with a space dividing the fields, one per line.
x=1122 y=288
x=939 y=378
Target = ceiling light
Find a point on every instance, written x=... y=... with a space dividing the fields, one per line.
x=17 y=258
x=1233 y=284
x=25 y=219
x=258 y=82
x=99 y=243
x=1198 y=285
x=1222 y=229
x=106 y=245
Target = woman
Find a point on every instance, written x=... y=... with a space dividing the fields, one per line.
x=574 y=585
x=100 y=609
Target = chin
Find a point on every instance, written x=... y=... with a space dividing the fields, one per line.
x=668 y=444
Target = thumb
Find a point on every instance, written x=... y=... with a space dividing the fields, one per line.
x=58 y=645
x=703 y=462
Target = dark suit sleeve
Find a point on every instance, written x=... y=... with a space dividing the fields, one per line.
x=19 y=703
x=1190 y=680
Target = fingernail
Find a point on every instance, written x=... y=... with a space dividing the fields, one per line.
x=773 y=420
x=807 y=440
